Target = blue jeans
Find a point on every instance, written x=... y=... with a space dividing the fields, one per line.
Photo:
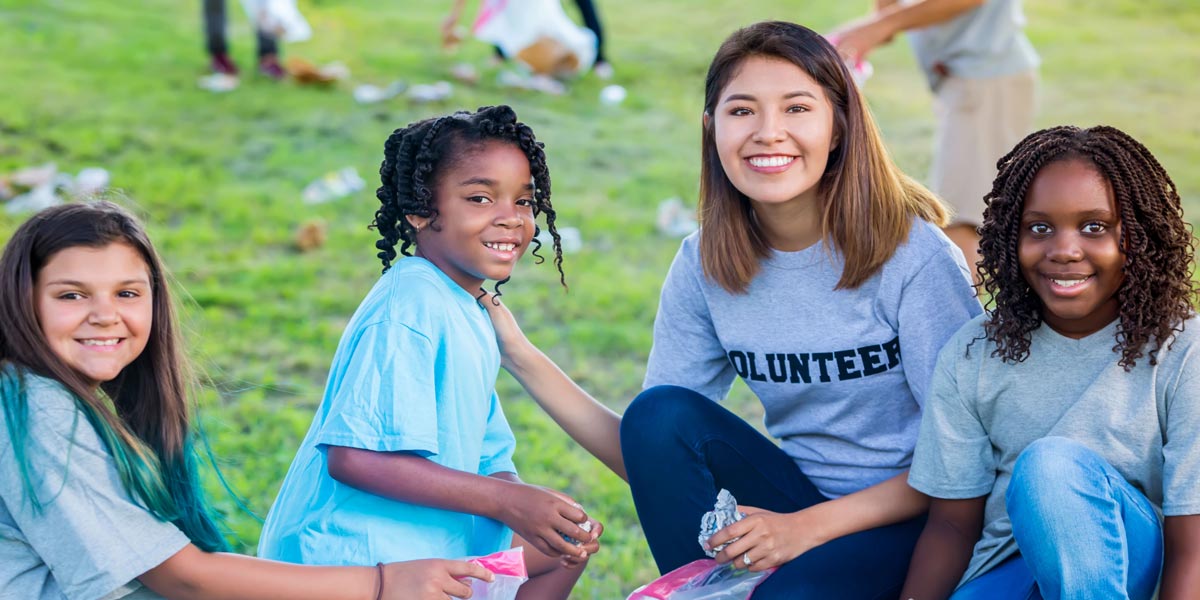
x=1083 y=531
x=680 y=448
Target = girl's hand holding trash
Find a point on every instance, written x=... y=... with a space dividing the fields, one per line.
x=542 y=517
x=430 y=579
x=765 y=539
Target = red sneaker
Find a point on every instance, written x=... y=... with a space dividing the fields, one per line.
x=222 y=64
x=269 y=66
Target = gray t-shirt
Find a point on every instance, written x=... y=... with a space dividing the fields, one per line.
x=841 y=373
x=90 y=540
x=983 y=412
x=984 y=42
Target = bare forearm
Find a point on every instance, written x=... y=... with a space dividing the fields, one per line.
x=193 y=573
x=939 y=560
x=410 y=478
x=884 y=503
x=593 y=425
x=1181 y=566
x=896 y=17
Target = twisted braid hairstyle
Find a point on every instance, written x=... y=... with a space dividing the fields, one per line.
x=414 y=156
x=1158 y=292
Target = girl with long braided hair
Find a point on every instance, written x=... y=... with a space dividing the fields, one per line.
x=410 y=455
x=1059 y=441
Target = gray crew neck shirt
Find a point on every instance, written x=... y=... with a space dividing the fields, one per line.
x=982 y=412
x=841 y=373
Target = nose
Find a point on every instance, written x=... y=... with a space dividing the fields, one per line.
x=103 y=313
x=1065 y=248
x=770 y=128
x=508 y=214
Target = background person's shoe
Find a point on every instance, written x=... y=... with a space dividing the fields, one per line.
x=269 y=66
x=222 y=64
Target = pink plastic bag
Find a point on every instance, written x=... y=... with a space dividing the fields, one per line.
x=509 y=568
x=702 y=579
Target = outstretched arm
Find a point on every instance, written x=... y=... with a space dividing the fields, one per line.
x=594 y=426
x=1181 y=566
x=193 y=573
x=856 y=39
x=772 y=539
x=944 y=548
x=536 y=514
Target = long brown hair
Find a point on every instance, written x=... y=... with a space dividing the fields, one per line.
x=142 y=414
x=867 y=203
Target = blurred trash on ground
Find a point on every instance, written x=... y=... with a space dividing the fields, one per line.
x=307 y=73
x=370 y=94
x=33 y=188
x=333 y=185
x=675 y=219
x=310 y=235
x=430 y=92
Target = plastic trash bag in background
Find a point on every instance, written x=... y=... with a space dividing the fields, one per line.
x=509 y=568
x=702 y=579
x=280 y=18
x=538 y=33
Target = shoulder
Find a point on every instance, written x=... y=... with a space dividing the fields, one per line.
x=926 y=242
x=412 y=293
x=969 y=343
x=1184 y=347
x=41 y=394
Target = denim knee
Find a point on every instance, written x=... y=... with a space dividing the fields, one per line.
x=659 y=409
x=1050 y=467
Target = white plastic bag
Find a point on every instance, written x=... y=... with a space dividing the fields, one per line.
x=702 y=579
x=538 y=33
x=509 y=568
x=280 y=18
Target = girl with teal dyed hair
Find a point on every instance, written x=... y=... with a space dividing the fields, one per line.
x=99 y=495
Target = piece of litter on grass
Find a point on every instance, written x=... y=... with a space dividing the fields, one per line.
x=674 y=219
x=535 y=83
x=333 y=185
x=218 y=83
x=310 y=235
x=465 y=72
x=370 y=94
x=89 y=182
x=306 y=72
x=612 y=95
x=723 y=514
x=430 y=92
x=569 y=237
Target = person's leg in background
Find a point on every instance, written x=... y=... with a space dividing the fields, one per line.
x=591 y=20
x=1083 y=530
x=214 y=37
x=978 y=122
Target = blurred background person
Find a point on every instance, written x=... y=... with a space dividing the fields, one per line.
x=218 y=46
x=982 y=70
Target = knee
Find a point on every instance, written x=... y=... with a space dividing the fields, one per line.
x=657 y=409
x=1049 y=468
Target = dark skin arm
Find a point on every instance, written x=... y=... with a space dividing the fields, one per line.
x=534 y=513
x=1181 y=566
x=944 y=548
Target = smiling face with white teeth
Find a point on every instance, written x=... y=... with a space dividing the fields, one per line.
x=1070 y=247
x=773 y=129
x=95 y=308
x=485 y=221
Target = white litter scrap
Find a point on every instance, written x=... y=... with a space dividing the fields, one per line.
x=723 y=514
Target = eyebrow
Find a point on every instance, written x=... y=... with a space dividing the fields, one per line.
x=73 y=283
x=787 y=96
x=487 y=182
x=1087 y=214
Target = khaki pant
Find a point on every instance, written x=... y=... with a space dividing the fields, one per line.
x=978 y=121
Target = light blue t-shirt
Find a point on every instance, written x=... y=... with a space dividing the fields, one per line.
x=415 y=371
x=841 y=373
x=984 y=42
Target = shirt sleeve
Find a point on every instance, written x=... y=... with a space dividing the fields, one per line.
x=386 y=396
x=89 y=532
x=1181 y=448
x=934 y=304
x=953 y=458
x=498 y=442
x=686 y=350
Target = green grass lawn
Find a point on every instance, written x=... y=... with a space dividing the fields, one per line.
x=218 y=180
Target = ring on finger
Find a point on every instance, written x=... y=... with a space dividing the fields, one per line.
x=746 y=559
